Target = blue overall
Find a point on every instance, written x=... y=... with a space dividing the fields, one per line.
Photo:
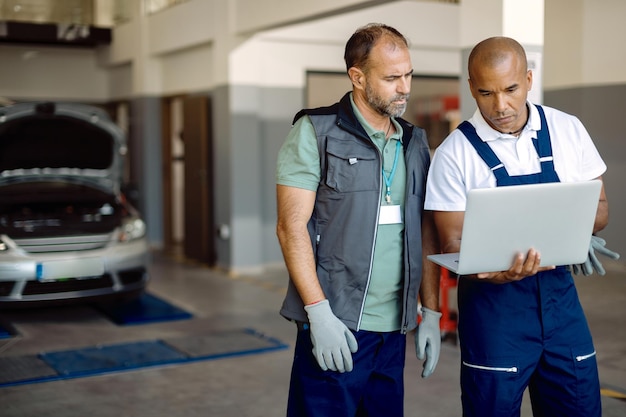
x=529 y=333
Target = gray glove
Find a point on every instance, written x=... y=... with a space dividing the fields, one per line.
x=333 y=342
x=428 y=340
x=592 y=262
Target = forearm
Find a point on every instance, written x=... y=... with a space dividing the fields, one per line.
x=300 y=262
x=602 y=216
x=429 y=289
x=294 y=211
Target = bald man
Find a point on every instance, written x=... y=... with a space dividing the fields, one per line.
x=523 y=327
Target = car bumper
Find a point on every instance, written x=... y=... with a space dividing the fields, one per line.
x=27 y=278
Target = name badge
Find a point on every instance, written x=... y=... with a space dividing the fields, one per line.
x=390 y=215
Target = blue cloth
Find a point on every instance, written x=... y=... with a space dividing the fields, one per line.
x=530 y=333
x=542 y=146
x=375 y=387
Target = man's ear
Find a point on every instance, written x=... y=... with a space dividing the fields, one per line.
x=529 y=79
x=471 y=87
x=357 y=77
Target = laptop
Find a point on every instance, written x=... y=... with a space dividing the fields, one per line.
x=556 y=219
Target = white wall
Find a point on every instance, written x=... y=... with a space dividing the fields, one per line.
x=186 y=25
x=36 y=72
x=516 y=16
x=281 y=57
x=604 y=51
x=120 y=82
x=577 y=51
x=185 y=49
x=255 y=15
x=187 y=70
x=521 y=20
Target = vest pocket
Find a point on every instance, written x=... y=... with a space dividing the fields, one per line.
x=351 y=166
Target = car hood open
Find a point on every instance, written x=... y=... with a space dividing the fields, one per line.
x=60 y=141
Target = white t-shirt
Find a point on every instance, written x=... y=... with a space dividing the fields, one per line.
x=457 y=168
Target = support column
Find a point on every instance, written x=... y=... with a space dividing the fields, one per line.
x=238 y=134
x=522 y=21
x=145 y=128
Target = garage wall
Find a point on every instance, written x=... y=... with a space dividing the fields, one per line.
x=600 y=121
x=36 y=72
x=585 y=75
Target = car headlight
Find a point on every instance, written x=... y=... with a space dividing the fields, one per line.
x=132 y=228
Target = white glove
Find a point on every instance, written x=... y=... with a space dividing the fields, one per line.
x=428 y=340
x=592 y=262
x=333 y=342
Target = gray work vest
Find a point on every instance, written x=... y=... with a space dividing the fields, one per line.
x=344 y=222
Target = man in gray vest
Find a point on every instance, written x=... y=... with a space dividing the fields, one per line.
x=351 y=182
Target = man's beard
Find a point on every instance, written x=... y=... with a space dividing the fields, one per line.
x=386 y=108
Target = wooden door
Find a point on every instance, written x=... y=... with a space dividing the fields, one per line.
x=199 y=226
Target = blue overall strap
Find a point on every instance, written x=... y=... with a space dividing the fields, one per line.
x=484 y=150
x=544 y=150
x=542 y=146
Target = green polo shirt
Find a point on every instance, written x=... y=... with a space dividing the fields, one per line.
x=299 y=166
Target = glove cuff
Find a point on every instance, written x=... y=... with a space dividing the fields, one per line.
x=318 y=309
x=428 y=312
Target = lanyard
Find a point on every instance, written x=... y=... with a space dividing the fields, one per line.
x=389 y=179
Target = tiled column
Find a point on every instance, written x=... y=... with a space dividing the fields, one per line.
x=521 y=20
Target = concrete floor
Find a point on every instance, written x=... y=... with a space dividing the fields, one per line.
x=251 y=385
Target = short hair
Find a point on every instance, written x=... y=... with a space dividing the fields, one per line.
x=494 y=50
x=362 y=41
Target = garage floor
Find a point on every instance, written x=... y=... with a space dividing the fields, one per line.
x=248 y=374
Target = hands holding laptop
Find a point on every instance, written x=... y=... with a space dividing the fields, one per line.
x=526 y=266
x=492 y=242
x=523 y=266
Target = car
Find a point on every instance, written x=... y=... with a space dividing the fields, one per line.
x=67 y=231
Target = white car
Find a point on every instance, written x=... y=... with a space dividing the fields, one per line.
x=67 y=232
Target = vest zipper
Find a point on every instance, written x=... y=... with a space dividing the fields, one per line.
x=369 y=272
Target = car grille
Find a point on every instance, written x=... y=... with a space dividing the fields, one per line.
x=129 y=277
x=6 y=287
x=132 y=276
x=63 y=244
x=49 y=287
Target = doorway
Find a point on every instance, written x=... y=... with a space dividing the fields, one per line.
x=188 y=178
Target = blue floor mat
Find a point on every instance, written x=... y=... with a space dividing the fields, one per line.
x=146 y=308
x=111 y=358
x=96 y=360
x=6 y=331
